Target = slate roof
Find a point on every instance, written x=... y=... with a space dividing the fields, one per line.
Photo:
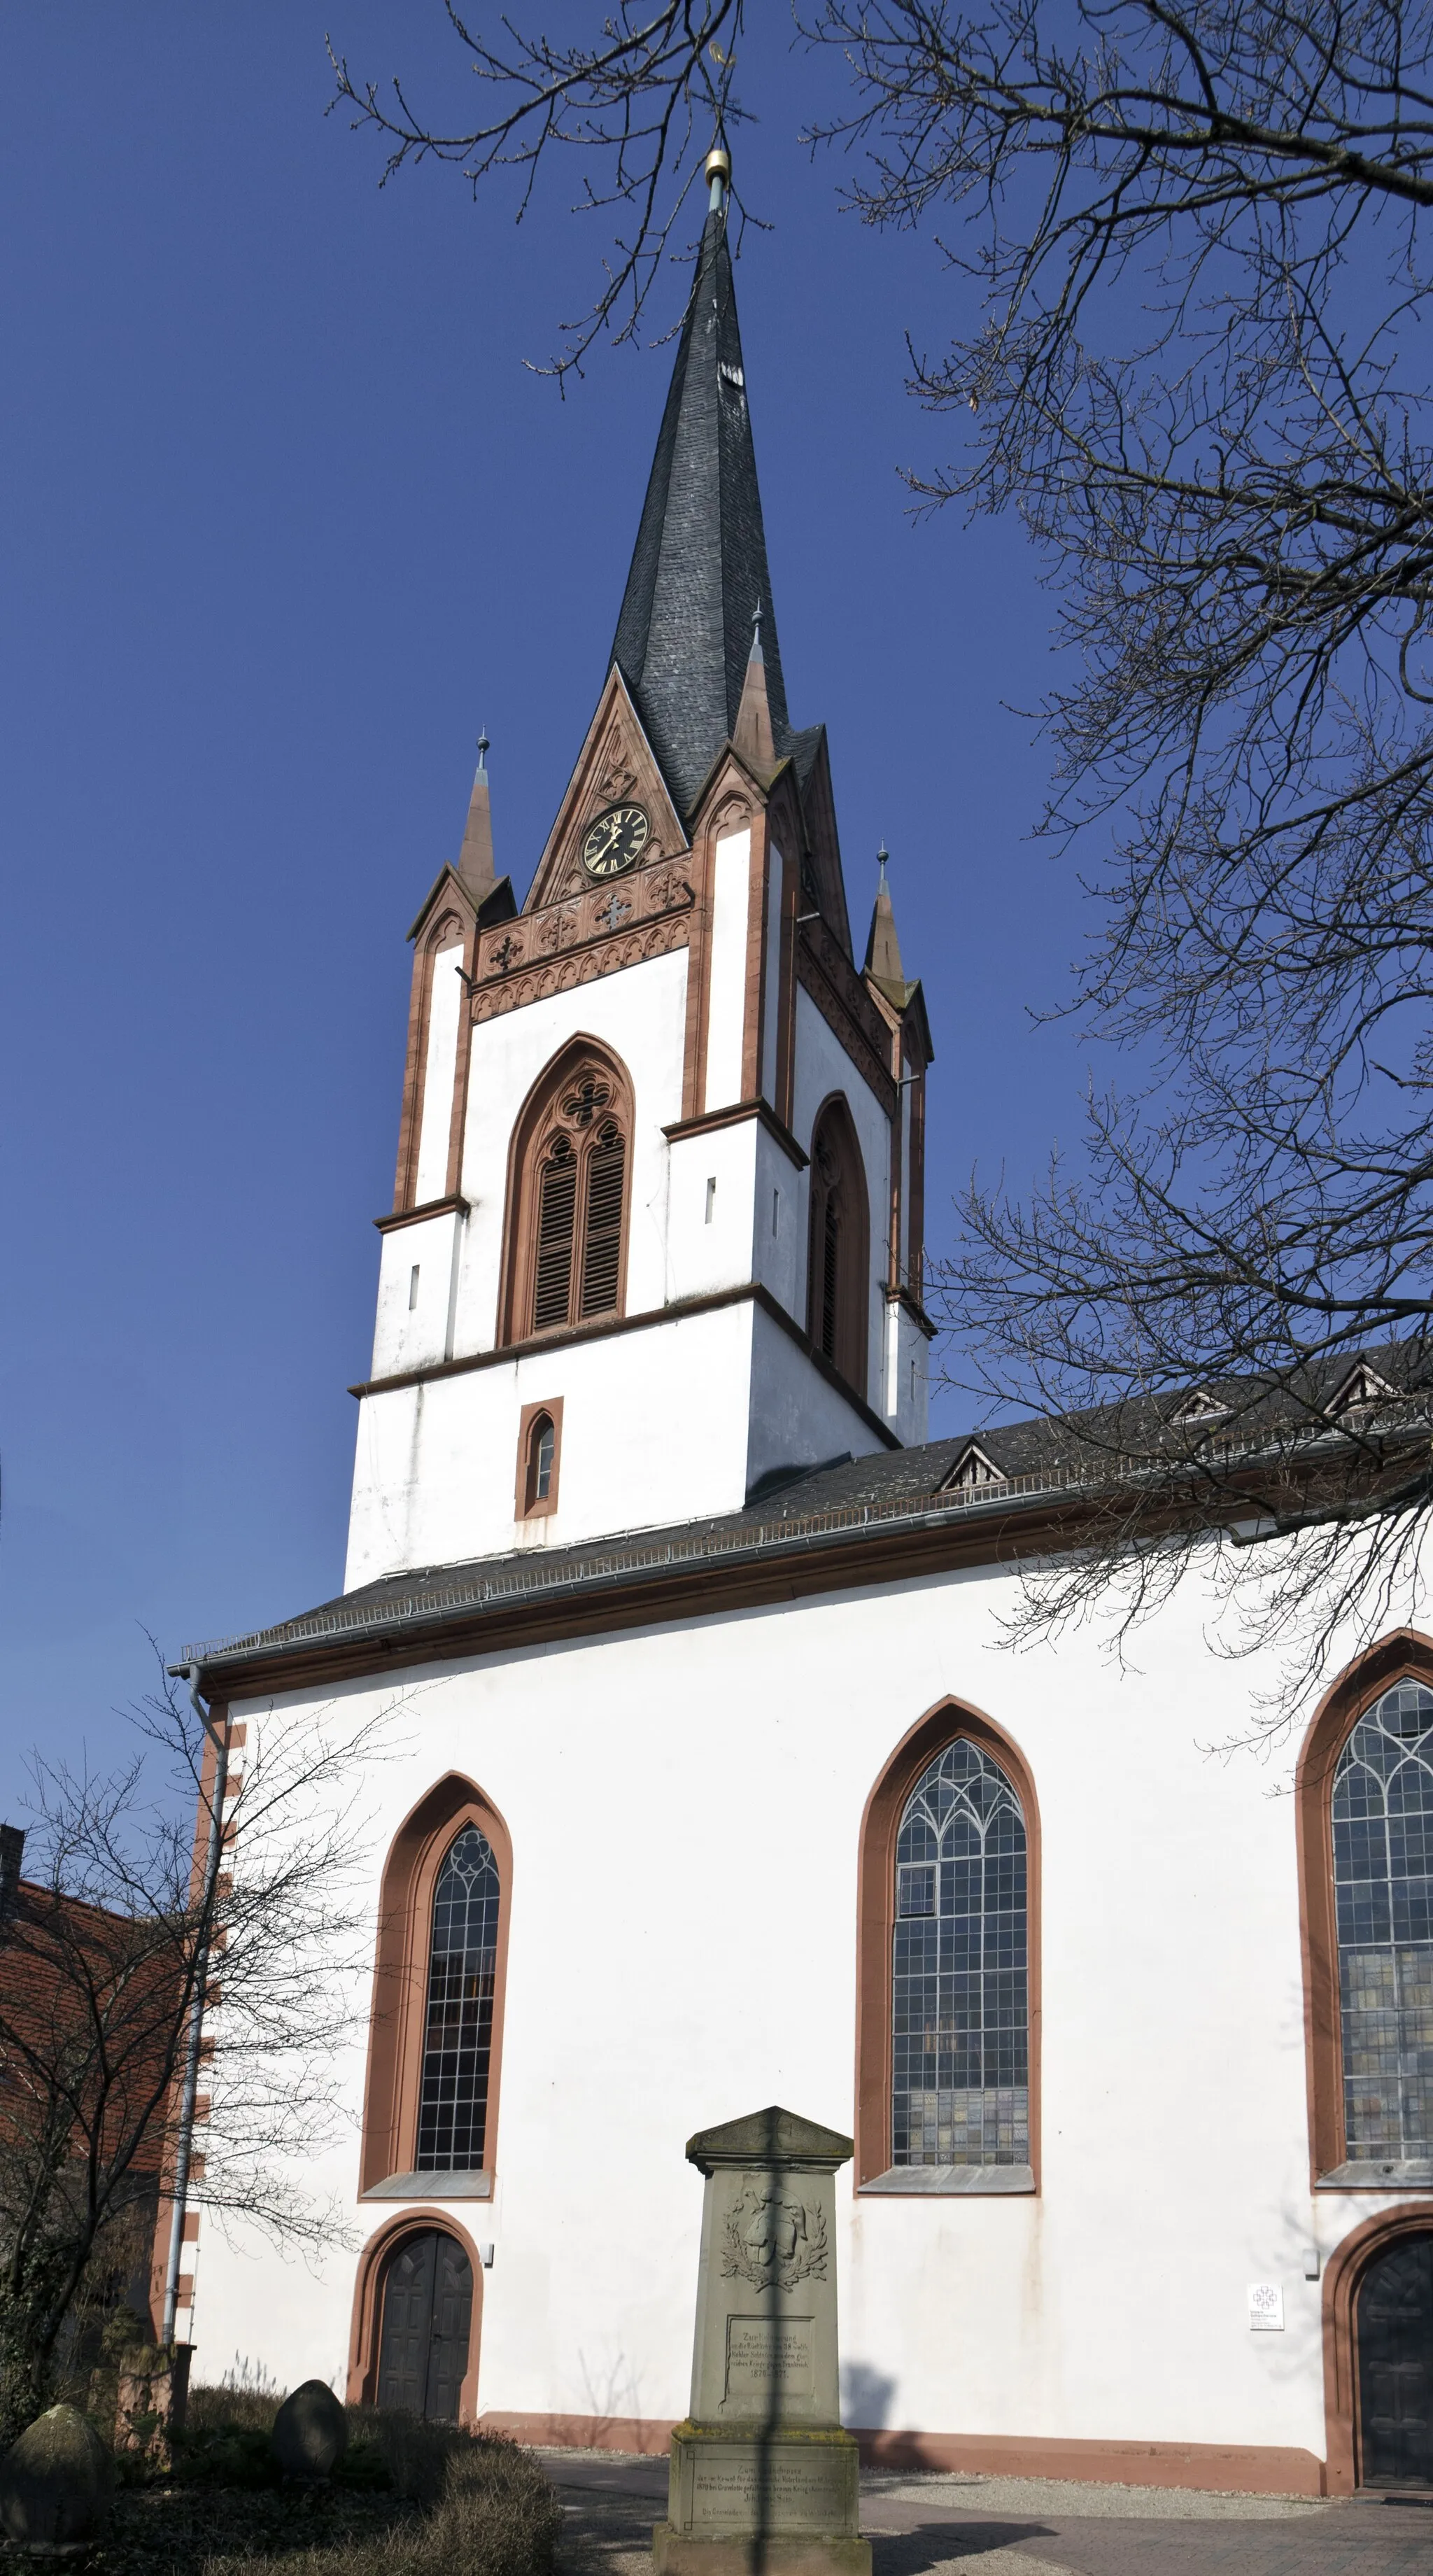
x=802 y=1508
x=699 y=569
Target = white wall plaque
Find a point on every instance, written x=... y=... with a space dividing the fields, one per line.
x=1266 y=2307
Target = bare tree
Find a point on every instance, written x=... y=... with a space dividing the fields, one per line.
x=102 y=1947
x=638 y=99
x=1189 y=283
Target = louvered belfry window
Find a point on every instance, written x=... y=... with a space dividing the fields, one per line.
x=577 y=1205
x=836 y=1286
x=602 y=1239
x=556 y=1221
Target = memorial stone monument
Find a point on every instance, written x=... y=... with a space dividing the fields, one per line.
x=763 y=2480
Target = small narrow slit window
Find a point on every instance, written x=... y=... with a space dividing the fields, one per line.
x=413 y=1287
x=711 y=1200
x=541 y=1451
x=539 y=1459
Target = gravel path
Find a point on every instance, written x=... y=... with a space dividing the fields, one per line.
x=954 y=2526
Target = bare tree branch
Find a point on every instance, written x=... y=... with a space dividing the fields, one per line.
x=99 y=1954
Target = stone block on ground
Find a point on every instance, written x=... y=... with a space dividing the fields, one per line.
x=56 y=2482
x=310 y=2431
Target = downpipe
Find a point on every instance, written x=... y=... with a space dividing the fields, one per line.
x=189 y=2091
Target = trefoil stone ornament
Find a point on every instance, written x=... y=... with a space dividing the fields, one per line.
x=772 y=2239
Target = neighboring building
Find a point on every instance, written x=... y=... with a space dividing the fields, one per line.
x=712 y=1783
x=88 y=2011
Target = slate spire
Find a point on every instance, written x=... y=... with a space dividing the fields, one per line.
x=699 y=570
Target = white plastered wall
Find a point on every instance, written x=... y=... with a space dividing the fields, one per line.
x=661 y=1424
x=413 y=1327
x=435 y=1128
x=798 y=1418
x=727 y=970
x=654 y=1431
x=640 y=1013
x=684 y=1805
x=709 y=1207
x=771 y=1014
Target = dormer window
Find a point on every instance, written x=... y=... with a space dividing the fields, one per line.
x=972 y=1468
x=1201 y=1406
x=1363 y=1391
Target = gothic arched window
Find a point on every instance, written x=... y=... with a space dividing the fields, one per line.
x=838 y=1246
x=1383 y=1901
x=458 y=2030
x=960 y=2054
x=568 y=1202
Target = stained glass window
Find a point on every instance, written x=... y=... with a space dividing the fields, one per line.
x=458 y=2038
x=960 y=2002
x=1383 y=1887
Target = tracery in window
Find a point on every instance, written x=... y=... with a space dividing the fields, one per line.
x=1383 y=1893
x=458 y=2033
x=838 y=1245
x=568 y=1200
x=960 y=1998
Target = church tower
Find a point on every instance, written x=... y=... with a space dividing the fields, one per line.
x=656 y=1234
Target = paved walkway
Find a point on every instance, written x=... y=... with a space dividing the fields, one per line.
x=974 y=2526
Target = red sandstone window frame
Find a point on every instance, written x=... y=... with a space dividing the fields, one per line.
x=366 y=2328
x=529 y=1505
x=1404 y=1655
x=393 y=2080
x=834 y=1131
x=949 y=1720
x=536 y=1123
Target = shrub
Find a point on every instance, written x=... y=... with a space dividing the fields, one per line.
x=490 y=2511
x=250 y=2409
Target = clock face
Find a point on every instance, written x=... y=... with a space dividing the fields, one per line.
x=616 y=840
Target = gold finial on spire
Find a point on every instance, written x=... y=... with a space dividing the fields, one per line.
x=716 y=170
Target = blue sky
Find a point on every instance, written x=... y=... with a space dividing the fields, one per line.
x=284 y=519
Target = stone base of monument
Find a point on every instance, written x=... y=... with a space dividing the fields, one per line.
x=784 y=2503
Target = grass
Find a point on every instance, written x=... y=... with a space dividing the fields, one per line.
x=410 y=2499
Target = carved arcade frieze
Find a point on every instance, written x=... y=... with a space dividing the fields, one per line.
x=593 y=933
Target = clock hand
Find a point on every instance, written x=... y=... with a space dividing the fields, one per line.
x=608 y=837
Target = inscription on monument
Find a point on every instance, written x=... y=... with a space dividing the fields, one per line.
x=742 y=2491
x=770 y=2357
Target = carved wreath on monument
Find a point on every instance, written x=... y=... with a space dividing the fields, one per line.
x=770 y=2238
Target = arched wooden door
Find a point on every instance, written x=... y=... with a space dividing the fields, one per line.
x=427 y=2320
x=1395 y=2366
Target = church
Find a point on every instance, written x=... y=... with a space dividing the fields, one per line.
x=715 y=1784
